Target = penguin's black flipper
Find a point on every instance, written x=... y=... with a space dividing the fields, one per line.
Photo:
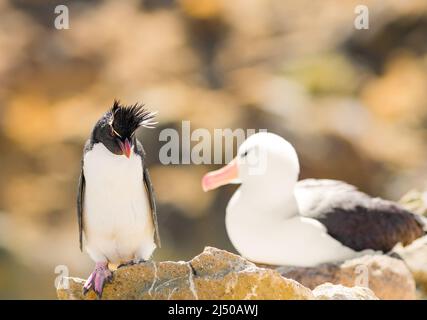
x=150 y=190
x=81 y=194
x=80 y=200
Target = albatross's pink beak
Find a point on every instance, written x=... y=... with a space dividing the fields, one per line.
x=223 y=176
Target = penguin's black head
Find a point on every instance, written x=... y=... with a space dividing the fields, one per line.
x=117 y=127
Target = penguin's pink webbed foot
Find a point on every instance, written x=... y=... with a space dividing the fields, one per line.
x=98 y=278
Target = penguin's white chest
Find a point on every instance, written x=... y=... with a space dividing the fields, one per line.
x=117 y=216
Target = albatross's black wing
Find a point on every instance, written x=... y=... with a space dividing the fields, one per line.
x=355 y=219
x=150 y=191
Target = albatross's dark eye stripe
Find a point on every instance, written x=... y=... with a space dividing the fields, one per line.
x=244 y=154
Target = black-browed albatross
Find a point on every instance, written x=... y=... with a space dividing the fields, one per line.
x=273 y=219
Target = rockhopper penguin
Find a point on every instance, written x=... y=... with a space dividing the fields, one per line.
x=115 y=203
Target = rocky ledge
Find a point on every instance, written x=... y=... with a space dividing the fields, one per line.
x=214 y=274
x=218 y=274
x=389 y=278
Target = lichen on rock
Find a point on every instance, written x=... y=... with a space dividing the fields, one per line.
x=329 y=291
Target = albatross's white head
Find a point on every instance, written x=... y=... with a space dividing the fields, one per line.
x=262 y=218
x=266 y=165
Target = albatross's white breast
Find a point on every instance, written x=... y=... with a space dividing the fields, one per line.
x=263 y=234
x=117 y=218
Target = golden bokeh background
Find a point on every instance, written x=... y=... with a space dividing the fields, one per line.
x=353 y=102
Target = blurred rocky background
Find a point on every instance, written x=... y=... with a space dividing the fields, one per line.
x=353 y=102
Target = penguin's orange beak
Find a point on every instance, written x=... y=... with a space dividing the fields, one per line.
x=223 y=176
x=126 y=147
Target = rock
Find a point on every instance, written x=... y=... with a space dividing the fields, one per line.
x=387 y=277
x=329 y=291
x=415 y=256
x=214 y=274
x=415 y=201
